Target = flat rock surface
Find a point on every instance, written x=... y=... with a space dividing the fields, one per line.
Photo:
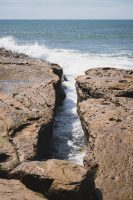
x=28 y=95
x=15 y=190
x=58 y=179
x=105 y=83
x=105 y=106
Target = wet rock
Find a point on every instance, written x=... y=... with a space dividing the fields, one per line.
x=65 y=78
x=59 y=180
x=15 y=190
x=105 y=107
x=57 y=70
x=28 y=98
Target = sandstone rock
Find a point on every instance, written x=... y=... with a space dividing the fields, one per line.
x=15 y=190
x=8 y=157
x=29 y=91
x=105 y=83
x=59 y=180
x=105 y=106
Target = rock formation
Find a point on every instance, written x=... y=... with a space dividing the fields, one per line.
x=105 y=107
x=28 y=95
x=15 y=190
x=57 y=179
x=30 y=91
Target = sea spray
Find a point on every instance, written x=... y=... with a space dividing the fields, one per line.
x=68 y=133
x=73 y=62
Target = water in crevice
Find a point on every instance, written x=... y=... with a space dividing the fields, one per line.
x=68 y=137
x=68 y=134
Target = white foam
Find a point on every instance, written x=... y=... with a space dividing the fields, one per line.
x=74 y=63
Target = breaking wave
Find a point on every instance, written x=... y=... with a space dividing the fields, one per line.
x=68 y=133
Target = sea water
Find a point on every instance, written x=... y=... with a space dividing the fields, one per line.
x=76 y=45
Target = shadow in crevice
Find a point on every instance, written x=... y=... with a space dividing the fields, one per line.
x=128 y=94
x=43 y=149
x=36 y=184
x=98 y=194
x=4 y=157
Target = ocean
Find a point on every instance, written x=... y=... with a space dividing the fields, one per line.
x=76 y=45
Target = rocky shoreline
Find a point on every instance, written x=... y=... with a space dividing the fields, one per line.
x=105 y=107
x=30 y=91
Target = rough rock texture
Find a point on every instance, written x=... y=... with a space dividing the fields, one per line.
x=29 y=92
x=59 y=180
x=105 y=106
x=15 y=190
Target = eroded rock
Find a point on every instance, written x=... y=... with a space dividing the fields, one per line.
x=15 y=190
x=59 y=180
x=105 y=107
x=29 y=91
x=105 y=83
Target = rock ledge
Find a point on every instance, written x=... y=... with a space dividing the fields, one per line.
x=105 y=107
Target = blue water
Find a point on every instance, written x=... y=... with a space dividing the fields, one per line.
x=91 y=36
x=76 y=45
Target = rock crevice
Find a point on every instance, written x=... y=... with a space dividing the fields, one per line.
x=30 y=91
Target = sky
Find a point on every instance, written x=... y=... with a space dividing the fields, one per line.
x=66 y=9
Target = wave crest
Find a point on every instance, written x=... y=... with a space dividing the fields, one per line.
x=73 y=62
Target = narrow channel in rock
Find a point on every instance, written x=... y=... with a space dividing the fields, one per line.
x=68 y=137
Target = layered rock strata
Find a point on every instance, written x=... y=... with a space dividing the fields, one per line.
x=105 y=107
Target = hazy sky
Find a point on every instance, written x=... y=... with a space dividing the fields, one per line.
x=66 y=9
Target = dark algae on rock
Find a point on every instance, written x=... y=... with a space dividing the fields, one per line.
x=105 y=107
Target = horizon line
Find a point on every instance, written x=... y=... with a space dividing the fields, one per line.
x=67 y=19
